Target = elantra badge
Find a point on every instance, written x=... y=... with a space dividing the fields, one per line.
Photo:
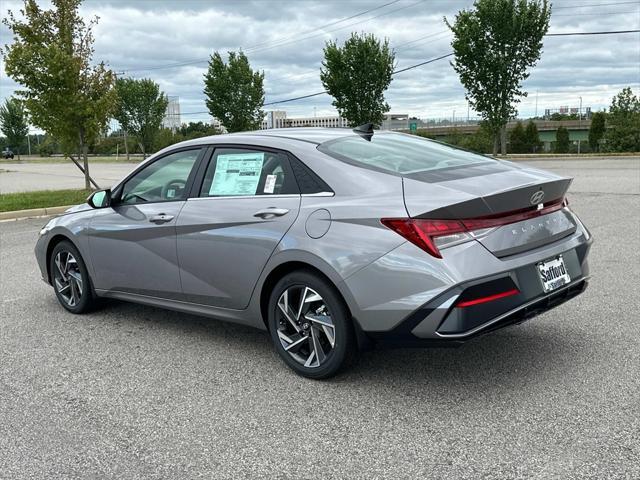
x=537 y=197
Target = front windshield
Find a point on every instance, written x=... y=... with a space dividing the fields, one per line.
x=399 y=153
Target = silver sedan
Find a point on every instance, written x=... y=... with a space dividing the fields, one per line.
x=333 y=240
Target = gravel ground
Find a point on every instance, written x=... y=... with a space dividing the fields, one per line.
x=137 y=392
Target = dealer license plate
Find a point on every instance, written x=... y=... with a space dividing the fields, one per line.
x=553 y=274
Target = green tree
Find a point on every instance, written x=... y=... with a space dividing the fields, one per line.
x=51 y=57
x=597 y=130
x=480 y=142
x=623 y=123
x=356 y=75
x=518 y=140
x=495 y=44
x=13 y=123
x=562 y=140
x=193 y=130
x=532 y=138
x=165 y=138
x=48 y=146
x=140 y=109
x=235 y=93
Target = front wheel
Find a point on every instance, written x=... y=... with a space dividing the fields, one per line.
x=310 y=326
x=70 y=278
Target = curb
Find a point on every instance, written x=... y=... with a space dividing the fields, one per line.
x=32 y=213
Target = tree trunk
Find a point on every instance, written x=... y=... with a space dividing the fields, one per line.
x=503 y=139
x=496 y=137
x=144 y=154
x=126 y=144
x=85 y=161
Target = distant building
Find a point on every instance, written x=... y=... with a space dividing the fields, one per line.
x=279 y=119
x=275 y=119
x=171 y=118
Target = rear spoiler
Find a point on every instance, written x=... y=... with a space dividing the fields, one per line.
x=518 y=198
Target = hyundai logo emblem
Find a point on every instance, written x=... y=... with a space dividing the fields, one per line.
x=537 y=197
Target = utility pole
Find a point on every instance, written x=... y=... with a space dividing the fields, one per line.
x=124 y=131
x=579 y=123
x=536 y=103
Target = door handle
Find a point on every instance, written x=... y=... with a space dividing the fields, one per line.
x=161 y=218
x=271 y=212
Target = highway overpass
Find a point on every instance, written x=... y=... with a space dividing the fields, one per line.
x=578 y=130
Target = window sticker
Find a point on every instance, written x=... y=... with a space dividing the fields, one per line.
x=270 y=183
x=237 y=174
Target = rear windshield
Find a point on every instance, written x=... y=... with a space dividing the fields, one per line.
x=399 y=153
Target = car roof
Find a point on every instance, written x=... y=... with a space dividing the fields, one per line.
x=315 y=135
x=309 y=135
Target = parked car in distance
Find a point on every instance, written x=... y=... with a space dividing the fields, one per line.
x=331 y=239
x=7 y=153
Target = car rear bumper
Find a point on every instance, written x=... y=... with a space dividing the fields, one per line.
x=425 y=327
x=442 y=319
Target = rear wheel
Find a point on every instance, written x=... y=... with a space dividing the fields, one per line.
x=310 y=326
x=70 y=278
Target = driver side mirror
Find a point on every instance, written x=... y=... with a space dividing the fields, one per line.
x=100 y=199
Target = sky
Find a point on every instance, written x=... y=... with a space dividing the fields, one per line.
x=170 y=42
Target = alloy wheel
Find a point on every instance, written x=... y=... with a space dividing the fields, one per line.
x=305 y=328
x=68 y=278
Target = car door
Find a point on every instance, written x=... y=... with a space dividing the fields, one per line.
x=247 y=201
x=133 y=242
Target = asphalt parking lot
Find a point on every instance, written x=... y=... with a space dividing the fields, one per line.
x=138 y=392
x=26 y=177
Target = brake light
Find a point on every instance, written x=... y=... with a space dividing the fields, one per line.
x=431 y=235
x=424 y=232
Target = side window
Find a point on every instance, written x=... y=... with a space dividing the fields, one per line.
x=163 y=180
x=237 y=172
x=308 y=181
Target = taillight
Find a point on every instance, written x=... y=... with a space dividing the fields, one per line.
x=431 y=235
x=424 y=233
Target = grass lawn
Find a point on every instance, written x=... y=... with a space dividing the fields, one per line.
x=41 y=199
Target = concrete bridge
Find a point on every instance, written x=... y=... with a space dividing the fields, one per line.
x=578 y=129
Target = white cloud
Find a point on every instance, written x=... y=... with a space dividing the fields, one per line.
x=136 y=35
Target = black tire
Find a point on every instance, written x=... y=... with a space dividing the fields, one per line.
x=342 y=354
x=84 y=301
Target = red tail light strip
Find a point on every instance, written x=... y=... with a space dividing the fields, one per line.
x=422 y=232
x=490 y=298
x=512 y=217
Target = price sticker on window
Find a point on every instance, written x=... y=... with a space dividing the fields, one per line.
x=270 y=184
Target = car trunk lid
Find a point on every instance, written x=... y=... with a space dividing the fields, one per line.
x=496 y=192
